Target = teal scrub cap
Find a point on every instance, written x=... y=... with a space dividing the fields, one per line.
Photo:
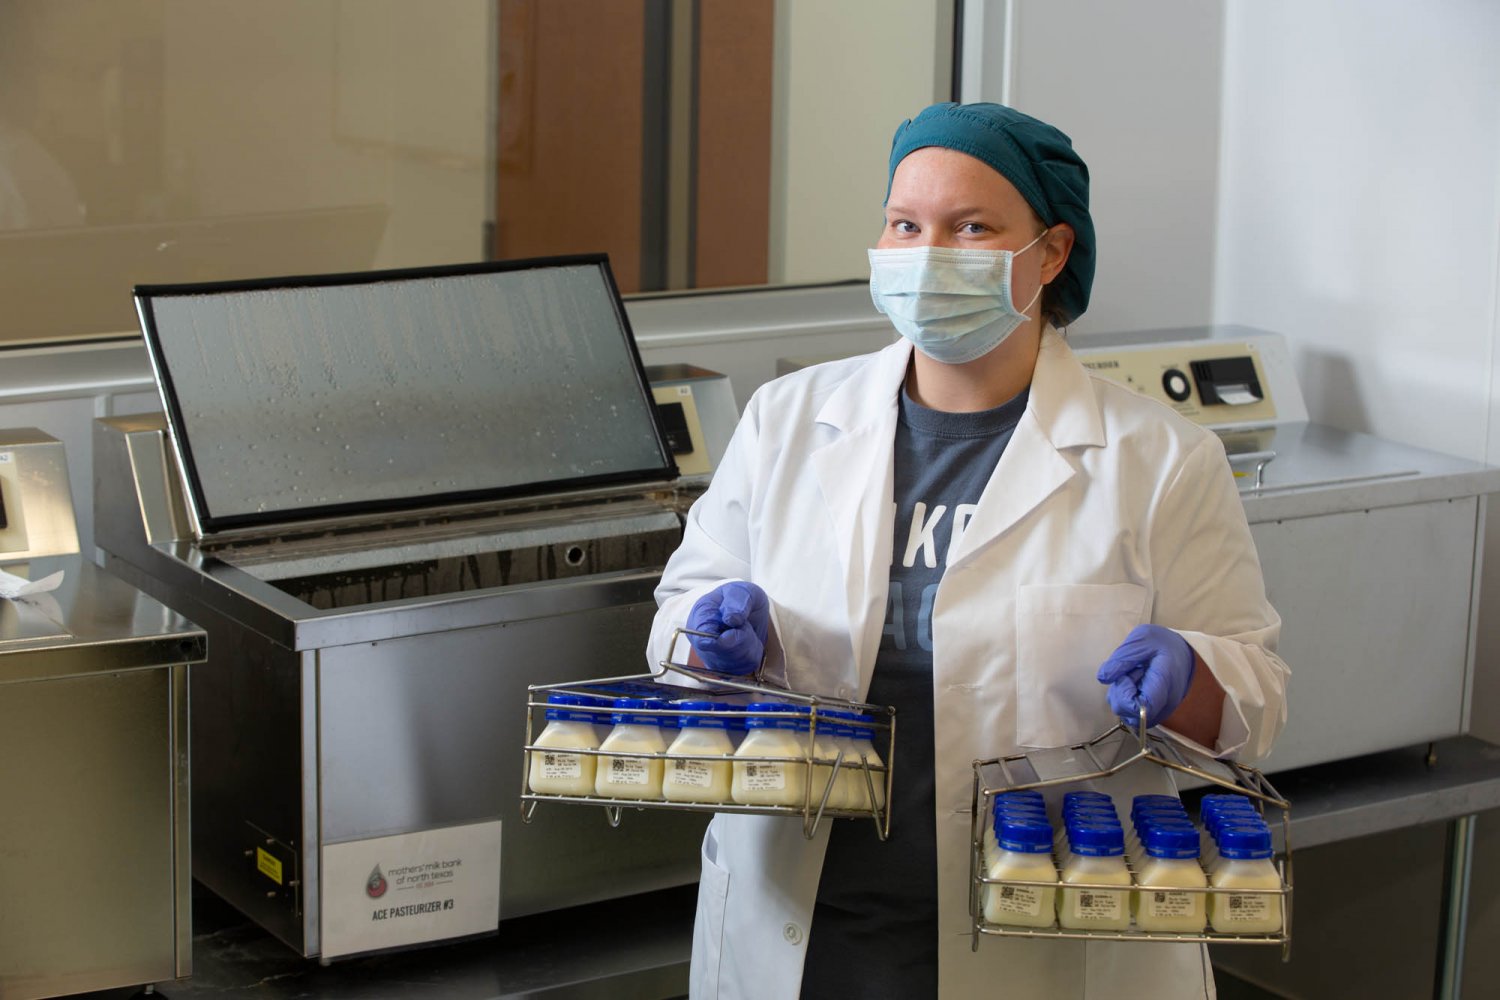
x=1037 y=158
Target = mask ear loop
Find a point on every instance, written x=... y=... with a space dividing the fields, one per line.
x=1026 y=309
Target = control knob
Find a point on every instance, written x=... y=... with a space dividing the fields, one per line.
x=1176 y=384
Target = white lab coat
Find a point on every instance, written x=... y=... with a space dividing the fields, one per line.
x=1106 y=510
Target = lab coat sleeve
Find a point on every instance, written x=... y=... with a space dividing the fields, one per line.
x=1209 y=588
x=717 y=547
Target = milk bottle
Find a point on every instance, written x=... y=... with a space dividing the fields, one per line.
x=1024 y=853
x=700 y=735
x=569 y=727
x=634 y=732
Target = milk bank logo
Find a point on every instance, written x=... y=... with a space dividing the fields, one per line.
x=375 y=885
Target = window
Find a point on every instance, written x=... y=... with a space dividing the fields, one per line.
x=701 y=143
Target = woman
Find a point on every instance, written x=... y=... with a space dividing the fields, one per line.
x=971 y=527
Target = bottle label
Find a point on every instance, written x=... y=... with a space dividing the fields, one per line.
x=765 y=777
x=1172 y=904
x=629 y=771
x=562 y=765
x=1091 y=904
x=692 y=773
x=1024 y=900
x=1245 y=906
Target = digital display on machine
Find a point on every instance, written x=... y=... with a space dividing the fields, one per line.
x=314 y=396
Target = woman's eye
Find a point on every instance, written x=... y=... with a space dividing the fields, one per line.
x=902 y=226
x=974 y=228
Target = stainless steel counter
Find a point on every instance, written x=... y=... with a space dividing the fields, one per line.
x=1391 y=790
x=93 y=759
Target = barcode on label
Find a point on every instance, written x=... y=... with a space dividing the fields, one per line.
x=561 y=765
x=629 y=771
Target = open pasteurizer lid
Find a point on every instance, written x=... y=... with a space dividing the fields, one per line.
x=333 y=396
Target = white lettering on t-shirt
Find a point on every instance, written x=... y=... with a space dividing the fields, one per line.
x=961 y=515
x=895 y=616
x=921 y=535
x=924 y=617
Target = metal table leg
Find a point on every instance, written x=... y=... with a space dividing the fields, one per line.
x=1455 y=907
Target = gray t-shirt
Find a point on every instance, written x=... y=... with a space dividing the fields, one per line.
x=874 y=931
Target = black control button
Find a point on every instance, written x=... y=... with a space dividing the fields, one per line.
x=1176 y=385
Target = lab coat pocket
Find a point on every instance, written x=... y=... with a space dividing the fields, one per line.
x=708 y=924
x=1063 y=633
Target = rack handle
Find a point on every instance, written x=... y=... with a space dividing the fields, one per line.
x=757 y=677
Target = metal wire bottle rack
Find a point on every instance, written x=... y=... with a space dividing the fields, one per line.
x=681 y=681
x=1101 y=763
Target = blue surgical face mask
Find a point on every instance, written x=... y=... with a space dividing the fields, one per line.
x=954 y=304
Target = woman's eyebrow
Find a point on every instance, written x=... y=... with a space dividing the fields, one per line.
x=892 y=208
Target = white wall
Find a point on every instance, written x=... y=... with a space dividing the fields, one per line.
x=1136 y=87
x=1360 y=216
x=846 y=72
x=1359 y=212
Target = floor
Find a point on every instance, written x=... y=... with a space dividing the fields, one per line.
x=530 y=958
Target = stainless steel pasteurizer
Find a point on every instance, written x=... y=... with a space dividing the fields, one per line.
x=94 y=874
x=395 y=500
x=1359 y=539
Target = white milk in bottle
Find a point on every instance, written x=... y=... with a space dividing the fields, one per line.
x=634 y=732
x=1171 y=861
x=772 y=729
x=701 y=735
x=1097 y=856
x=1245 y=863
x=570 y=726
x=1023 y=853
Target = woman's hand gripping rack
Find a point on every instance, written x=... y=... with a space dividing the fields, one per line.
x=1123 y=762
x=830 y=765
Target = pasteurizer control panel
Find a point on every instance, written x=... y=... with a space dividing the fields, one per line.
x=1370 y=549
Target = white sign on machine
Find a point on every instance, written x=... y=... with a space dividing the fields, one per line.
x=393 y=891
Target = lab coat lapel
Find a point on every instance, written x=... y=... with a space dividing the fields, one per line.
x=1061 y=413
x=855 y=473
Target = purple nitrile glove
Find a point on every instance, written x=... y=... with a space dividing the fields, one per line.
x=1152 y=667
x=738 y=616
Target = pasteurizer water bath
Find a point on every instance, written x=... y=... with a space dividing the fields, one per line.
x=394 y=500
x=1370 y=549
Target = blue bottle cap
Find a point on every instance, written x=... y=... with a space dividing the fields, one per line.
x=1165 y=823
x=773 y=715
x=1244 y=843
x=568 y=708
x=1086 y=796
x=1023 y=795
x=1085 y=815
x=1156 y=799
x=1233 y=817
x=1002 y=811
x=702 y=721
x=1096 y=840
x=1171 y=842
x=1024 y=836
x=623 y=715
